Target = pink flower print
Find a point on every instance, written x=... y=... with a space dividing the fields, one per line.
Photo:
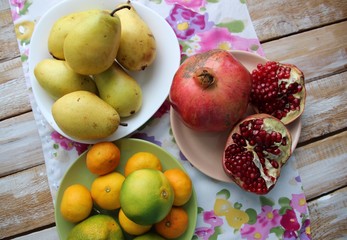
x=18 y=3
x=221 y=38
x=68 y=144
x=193 y=4
x=64 y=142
x=298 y=203
x=19 y=7
x=214 y=221
x=186 y=22
x=289 y=221
x=267 y=219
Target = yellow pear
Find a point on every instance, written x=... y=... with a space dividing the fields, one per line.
x=137 y=45
x=100 y=226
x=83 y=115
x=58 y=79
x=61 y=28
x=92 y=45
x=120 y=90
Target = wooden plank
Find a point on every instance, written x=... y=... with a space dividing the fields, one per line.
x=16 y=133
x=329 y=154
x=10 y=70
x=46 y=234
x=326 y=107
x=330 y=209
x=8 y=41
x=28 y=201
x=275 y=19
x=319 y=56
x=14 y=98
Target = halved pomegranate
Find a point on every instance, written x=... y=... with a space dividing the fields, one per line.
x=279 y=90
x=255 y=151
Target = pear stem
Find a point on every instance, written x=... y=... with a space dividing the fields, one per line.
x=119 y=8
x=123 y=124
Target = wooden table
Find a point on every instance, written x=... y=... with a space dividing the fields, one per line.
x=311 y=34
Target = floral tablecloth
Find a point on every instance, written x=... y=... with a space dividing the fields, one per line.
x=224 y=210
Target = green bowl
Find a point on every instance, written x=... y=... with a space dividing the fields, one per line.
x=78 y=173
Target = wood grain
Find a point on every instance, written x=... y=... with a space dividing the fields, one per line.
x=319 y=56
x=8 y=42
x=273 y=19
x=326 y=107
x=15 y=98
x=329 y=209
x=15 y=134
x=329 y=154
x=28 y=201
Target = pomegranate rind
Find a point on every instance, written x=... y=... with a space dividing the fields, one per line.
x=296 y=76
x=213 y=107
x=271 y=175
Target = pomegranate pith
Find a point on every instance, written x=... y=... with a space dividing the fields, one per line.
x=279 y=90
x=255 y=151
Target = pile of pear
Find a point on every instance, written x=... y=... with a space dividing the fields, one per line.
x=88 y=76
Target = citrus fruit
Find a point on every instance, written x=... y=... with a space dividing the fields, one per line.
x=149 y=236
x=76 y=203
x=105 y=190
x=181 y=184
x=174 y=224
x=103 y=158
x=142 y=160
x=130 y=226
x=146 y=196
x=102 y=227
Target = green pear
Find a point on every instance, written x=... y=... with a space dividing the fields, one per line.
x=101 y=227
x=58 y=79
x=92 y=45
x=61 y=28
x=137 y=44
x=83 y=115
x=120 y=90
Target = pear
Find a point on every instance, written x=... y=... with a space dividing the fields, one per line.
x=61 y=28
x=100 y=226
x=83 y=115
x=120 y=90
x=137 y=44
x=92 y=46
x=58 y=79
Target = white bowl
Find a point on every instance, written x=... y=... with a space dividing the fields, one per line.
x=155 y=81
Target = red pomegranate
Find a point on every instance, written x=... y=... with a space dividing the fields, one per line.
x=210 y=91
x=279 y=90
x=256 y=149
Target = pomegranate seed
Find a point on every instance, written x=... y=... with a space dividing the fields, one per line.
x=239 y=156
x=271 y=89
x=274 y=163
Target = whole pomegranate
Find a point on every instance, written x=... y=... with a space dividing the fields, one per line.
x=255 y=151
x=210 y=91
x=279 y=90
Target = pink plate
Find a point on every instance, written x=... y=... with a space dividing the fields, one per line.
x=205 y=149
